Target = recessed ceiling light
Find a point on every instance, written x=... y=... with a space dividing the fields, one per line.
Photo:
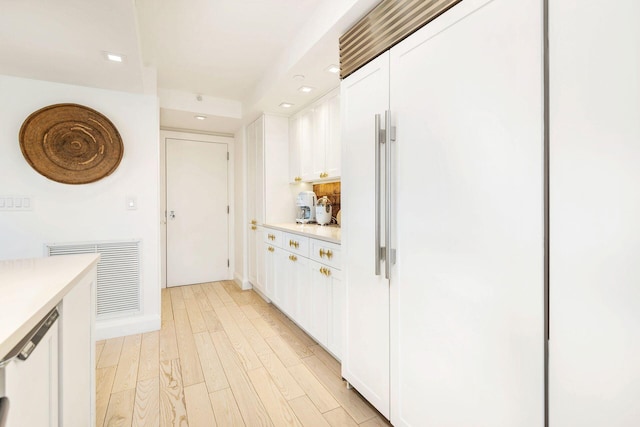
x=298 y=77
x=114 y=57
x=333 y=69
x=305 y=89
x=200 y=117
x=286 y=104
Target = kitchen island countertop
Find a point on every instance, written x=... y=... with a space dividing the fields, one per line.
x=30 y=288
x=328 y=233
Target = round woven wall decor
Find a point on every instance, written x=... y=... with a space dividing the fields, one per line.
x=71 y=143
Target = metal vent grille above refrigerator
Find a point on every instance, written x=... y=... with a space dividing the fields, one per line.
x=118 y=287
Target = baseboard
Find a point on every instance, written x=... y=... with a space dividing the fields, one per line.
x=112 y=328
x=241 y=282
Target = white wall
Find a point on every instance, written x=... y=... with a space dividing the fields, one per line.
x=240 y=168
x=76 y=213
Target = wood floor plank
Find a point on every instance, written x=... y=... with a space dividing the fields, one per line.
x=212 y=321
x=377 y=421
x=327 y=359
x=173 y=411
x=223 y=294
x=127 y=372
x=146 y=412
x=263 y=328
x=187 y=292
x=238 y=295
x=168 y=342
x=276 y=405
x=149 y=356
x=225 y=409
x=177 y=299
x=318 y=393
x=287 y=385
x=212 y=369
x=249 y=404
x=201 y=297
x=166 y=310
x=250 y=311
x=299 y=346
x=257 y=342
x=199 y=409
x=104 y=382
x=355 y=405
x=120 y=410
x=307 y=412
x=287 y=356
x=195 y=316
x=111 y=352
x=339 y=418
x=99 y=348
x=212 y=296
x=189 y=360
x=240 y=344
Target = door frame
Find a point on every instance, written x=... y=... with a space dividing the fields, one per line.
x=229 y=140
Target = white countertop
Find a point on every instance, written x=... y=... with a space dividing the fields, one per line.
x=30 y=288
x=328 y=233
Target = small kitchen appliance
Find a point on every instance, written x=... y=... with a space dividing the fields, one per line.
x=306 y=203
x=323 y=211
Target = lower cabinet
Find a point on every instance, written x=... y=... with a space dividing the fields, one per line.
x=307 y=291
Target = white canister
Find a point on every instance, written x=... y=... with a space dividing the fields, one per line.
x=323 y=211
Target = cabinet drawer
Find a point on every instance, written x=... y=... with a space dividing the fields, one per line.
x=296 y=244
x=326 y=253
x=273 y=237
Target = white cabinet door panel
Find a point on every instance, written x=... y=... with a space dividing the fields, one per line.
x=467 y=289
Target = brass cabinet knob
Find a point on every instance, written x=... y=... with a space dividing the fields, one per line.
x=297 y=179
x=253 y=227
x=324 y=175
x=254 y=222
x=293 y=258
x=325 y=271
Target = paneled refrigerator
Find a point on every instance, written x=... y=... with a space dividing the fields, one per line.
x=443 y=221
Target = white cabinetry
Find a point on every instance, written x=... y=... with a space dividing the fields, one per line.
x=594 y=210
x=304 y=280
x=267 y=151
x=77 y=349
x=32 y=385
x=464 y=300
x=315 y=141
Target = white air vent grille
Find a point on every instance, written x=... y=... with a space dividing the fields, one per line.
x=118 y=288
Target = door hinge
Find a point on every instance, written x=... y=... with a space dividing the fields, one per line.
x=228 y=263
x=382 y=135
x=227 y=155
x=227 y=209
x=393 y=134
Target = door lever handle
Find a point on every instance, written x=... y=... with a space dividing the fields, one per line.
x=172 y=214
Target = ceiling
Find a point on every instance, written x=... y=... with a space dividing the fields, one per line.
x=227 y=60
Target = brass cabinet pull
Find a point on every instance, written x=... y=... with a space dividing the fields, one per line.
x=254 y=222
x=322 y=253
x=294 y=244
x=329 y=253
x=271 y=237
x=297 y=179
x=253 y=227
x=324 y=175
x=293 y=257
x=325 y=271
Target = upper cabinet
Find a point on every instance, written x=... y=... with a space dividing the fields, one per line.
x=314 y=147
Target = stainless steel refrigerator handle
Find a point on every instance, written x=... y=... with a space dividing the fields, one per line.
x=387 y=216
x=378 y=249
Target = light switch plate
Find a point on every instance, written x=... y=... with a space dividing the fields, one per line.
x=15 y=203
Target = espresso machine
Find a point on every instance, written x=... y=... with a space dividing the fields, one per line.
x=306 y=203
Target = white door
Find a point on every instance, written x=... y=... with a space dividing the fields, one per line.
x=197 y=218
x=467 y=289
x=365 y=362
x=594 y=296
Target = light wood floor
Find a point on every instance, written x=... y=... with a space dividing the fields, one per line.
x=223 y=357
